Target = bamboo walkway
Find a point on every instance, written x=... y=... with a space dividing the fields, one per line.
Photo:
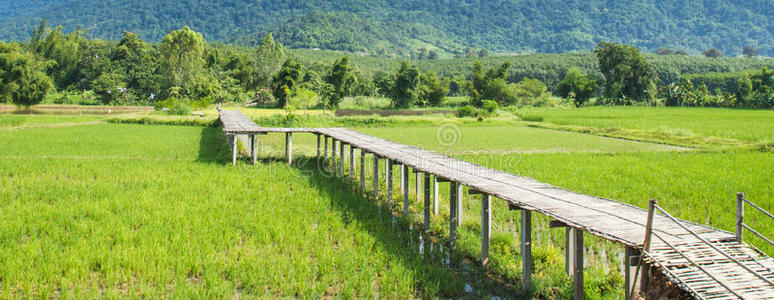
x=609 y=219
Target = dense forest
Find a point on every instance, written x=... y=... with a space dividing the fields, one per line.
x=409 y=28
x=184 y=71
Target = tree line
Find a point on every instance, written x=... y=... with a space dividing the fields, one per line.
x=183 y=70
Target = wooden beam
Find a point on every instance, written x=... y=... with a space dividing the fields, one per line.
x=254 y=148
x=233 y=149
x=376 y=177
x=631 y=259
x=289 y=147
x=441 y=179
x=325 y=153
x=739 y=217
x=526 y=249
x=403 y=179
x=318 y=145
x=405 y=188
x=388 y=175
x=577 y=286
x=569 y=252
x=427 y=202
x=556 y=224
x=333 y=157
x=512 y=206
x=351 y=162
x=452 y=214
x=435 y=195
x=362 y=170
x=418 y=184
x=341 y=158
x=486 y=227
x=458 y=203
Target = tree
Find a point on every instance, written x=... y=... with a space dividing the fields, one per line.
x=182 y=56
x=342 y=79
x=407 y=81
x=491 y=85
x=578 y=85
x=627 y=73
x=267 y=60
x=750 y=51
x=384 y=82
x=433 y=90
x=483 y=53
x=109 y=86
x=433 y=54
x=285 y=80
x=469 y=52
x=712 y=53
x=23 y=79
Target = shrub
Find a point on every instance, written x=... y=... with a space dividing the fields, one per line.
x=490 y=106
x=466 y=111
x=173 y=106
x=202 y=102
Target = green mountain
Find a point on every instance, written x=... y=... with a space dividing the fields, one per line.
x=402 y=27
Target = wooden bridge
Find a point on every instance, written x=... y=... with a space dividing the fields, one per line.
x=705 y=262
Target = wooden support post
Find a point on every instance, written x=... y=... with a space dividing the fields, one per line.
x=362 y=170
x=645 y=274
x=577 y=287
x=427 y=202
x=739 y=217
x=435 y=195
x=325 y=153
x=486 y=227
x=233 y=149
x=388 y=175
x=351 y=162
x=405 y=188
x=289 y=147
x=631 y=258
x=569 y=252
x=526 y=249
x=458 y=203
x=403 y=179
x=341 y=158
x=452 y=214
x=333 y=157
x=418 y=181
x=318 y=145
x=254 y=148
x=376 y=177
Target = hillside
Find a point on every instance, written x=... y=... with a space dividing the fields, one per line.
x=404 y=26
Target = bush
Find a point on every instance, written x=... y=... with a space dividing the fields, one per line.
x=173 y=106
x=202 y=102
x=490 y=106
x=466 y=111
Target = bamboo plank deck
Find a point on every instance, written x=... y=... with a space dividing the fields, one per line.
x=609 y=219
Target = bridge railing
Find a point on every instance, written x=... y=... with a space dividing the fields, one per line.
x=741 y=226
x=653 y=207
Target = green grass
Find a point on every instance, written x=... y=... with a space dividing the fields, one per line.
x=155 y=211
x=471 y=139
x=746 y=125
x=11 y=120
x=148 y=211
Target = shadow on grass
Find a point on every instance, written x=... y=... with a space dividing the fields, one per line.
x=438 y=272
x=213 y=146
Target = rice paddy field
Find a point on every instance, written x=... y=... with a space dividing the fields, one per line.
x=96 y=209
